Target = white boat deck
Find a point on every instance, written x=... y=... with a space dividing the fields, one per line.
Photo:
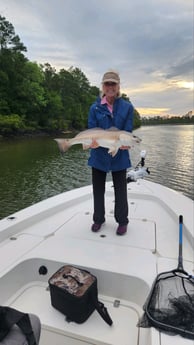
x=95 y=330
x=57 y=231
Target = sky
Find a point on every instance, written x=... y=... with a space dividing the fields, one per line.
x=148 y=42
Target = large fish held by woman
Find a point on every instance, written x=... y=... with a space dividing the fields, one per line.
x=111 y=138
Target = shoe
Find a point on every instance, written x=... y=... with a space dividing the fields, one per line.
x=121 y=230
x=96 y=227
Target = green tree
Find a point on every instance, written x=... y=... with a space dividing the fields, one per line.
x=11 y=124
x=11 y=63
x=38 y=95
x=8 y=38
x=31 y=93
x=137 y=117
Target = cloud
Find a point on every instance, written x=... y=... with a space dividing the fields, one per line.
x=149 y=42
x=183 y=68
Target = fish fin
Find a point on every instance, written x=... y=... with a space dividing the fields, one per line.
x=88 y=130
x=102 y=129
x=113 y=151
x=113 y=129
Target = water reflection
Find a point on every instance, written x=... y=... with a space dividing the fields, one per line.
x=32 y=169
x=170 y=156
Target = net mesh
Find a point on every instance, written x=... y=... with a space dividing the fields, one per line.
x=170 y=305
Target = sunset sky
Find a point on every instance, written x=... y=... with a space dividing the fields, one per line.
x=149 y=42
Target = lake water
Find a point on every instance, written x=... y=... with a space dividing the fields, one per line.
x=31 y=169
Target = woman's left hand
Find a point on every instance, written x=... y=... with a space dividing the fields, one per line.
x=125 y=147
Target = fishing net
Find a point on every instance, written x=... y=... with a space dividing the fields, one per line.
x=170 y=305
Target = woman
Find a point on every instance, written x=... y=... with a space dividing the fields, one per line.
x=110 y=110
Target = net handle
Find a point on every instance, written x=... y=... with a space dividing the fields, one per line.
x=180 y=256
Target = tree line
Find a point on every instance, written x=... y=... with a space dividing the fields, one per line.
x=35 y=97
x=169 y=120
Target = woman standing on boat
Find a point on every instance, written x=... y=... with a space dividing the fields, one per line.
x=110 y=110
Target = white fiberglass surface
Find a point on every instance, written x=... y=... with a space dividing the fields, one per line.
x=35 y=298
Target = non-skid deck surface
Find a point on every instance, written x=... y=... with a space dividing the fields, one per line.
x=36 y=298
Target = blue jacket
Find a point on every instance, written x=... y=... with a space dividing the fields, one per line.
x=100 y=116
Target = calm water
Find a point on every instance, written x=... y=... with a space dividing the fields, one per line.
x=32 y=169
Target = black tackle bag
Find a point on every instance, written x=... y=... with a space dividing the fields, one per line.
x=10 y=317
x=74 y=293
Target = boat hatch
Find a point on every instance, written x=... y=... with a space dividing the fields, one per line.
x=29 y=292
x=94 y=330
x=141 y=232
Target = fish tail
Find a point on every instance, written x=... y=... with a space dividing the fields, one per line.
x=63 y=144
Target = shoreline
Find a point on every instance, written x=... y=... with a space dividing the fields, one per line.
x=43 y=133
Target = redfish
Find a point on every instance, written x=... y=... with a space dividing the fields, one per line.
x=111 y=138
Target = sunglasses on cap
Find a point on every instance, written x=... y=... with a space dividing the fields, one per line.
x=110 y=83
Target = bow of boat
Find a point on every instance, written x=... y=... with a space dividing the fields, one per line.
x=36 y=241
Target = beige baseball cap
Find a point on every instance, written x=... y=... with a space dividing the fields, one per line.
x=111 y=77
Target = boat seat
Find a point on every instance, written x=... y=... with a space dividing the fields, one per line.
x=16 y=337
